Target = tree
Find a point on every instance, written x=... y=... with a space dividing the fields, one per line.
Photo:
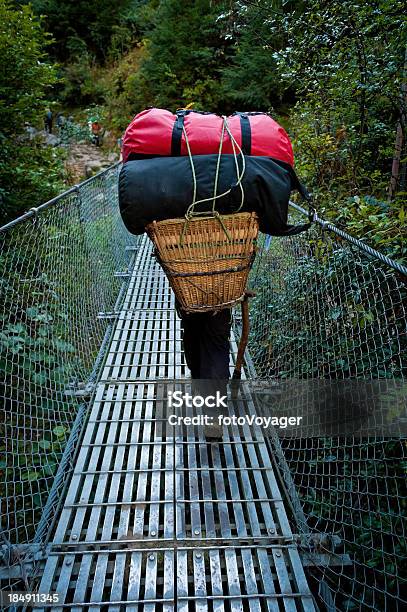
x=83 y=24
x=401 y=124
x=29 y=172
x=185 y=53
x=343 y=62
x=347 y=60
x=251 y=79
x=25 y=75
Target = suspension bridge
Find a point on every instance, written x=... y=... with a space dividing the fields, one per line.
x=107 y=506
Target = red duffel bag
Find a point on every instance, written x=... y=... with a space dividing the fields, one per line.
x=157 y=132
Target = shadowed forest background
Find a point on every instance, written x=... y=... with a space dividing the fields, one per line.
x=333 y=73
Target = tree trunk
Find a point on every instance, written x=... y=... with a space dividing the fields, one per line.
x=398 y=145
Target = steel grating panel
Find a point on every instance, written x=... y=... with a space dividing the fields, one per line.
x=155 y=517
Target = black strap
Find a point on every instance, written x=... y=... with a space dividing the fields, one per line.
x=177 y=134
x=246 y=133
x=312 y=213
x=298 y=185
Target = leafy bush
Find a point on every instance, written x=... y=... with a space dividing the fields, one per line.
x=120 y=82
x=25 y=75
x=352 y=196
x=29 y=172
x=37 y=361
x=324 y=318
x=380 y=223
x=185 y=53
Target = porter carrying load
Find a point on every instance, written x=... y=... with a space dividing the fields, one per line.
x=201 y=185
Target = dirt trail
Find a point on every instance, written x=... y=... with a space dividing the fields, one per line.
x=85 y=159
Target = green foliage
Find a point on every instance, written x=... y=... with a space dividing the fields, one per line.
x=29 y=172
x=119 y=85
x=49 y=339
x=348 y=54
x=74 y=132
x=83 y=25
x=325 y=162
x=81 y=82
x=346 y=61
x=25 y=75
x=251 y=80
x=37 y=361
x=380 y=223
x=36 y=341
x=342 y=344
x=185 y=53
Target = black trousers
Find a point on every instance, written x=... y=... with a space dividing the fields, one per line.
x=206 y=343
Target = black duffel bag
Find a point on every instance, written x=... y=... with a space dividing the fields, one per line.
x=161 y=188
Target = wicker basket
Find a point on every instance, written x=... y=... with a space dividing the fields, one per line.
x=206 y=260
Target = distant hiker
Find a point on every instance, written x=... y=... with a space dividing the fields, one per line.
x=48 y=121
x=30 y=130
x=60 y=121
x=96 y=132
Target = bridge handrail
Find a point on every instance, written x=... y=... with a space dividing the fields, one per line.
x=326 y=225
x=32 y=212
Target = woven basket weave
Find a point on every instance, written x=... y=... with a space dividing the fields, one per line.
x=206 y=260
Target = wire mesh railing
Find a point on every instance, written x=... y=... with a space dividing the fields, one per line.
x=328 y=328
x=61 y=272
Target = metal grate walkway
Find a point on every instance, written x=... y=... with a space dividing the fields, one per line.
x=156 y=518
